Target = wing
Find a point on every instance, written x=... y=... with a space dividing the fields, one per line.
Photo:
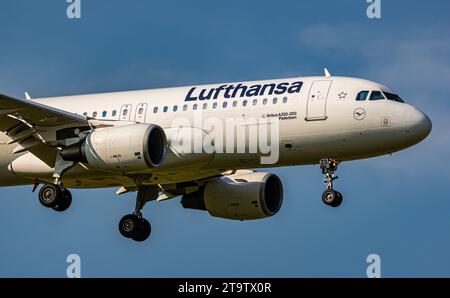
x=37 y=127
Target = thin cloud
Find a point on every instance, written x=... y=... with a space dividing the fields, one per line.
x=420 y=59
x=416 y=65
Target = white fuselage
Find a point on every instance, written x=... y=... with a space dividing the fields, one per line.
x=318 y=118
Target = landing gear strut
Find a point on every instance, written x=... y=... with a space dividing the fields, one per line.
x=133 y=225
x=330 y=196
x=55 y=196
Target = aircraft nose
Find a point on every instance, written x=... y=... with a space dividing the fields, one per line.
x=418 y=124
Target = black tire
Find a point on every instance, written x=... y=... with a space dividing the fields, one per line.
x=49 y=195
x=144 y=230
x=64 y=202
x=339 y=200
x=332 y=198
x=129 y=225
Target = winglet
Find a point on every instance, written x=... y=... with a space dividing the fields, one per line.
x=27 y=96
x=327 y=73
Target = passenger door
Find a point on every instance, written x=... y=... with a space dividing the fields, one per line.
x=317 y=100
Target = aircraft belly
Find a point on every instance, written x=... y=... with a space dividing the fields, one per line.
x=7 y=178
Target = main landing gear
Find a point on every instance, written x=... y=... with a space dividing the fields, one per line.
x=330 y=196
x=55 y=196
x=134 y=226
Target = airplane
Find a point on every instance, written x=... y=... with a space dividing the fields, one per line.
x=133 y=140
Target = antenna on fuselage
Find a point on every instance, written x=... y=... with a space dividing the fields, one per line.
x=327 y=73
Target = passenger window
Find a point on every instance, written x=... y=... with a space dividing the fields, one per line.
x=114 y=113
x=362 y=95
x=224 y=104
x=215 y=105
x=194 y=107
x=155 y=110
x=175 y=108
x=255 y=101
x=275 y=100
x=104 y=113
x=185 y=108
x=140 y=111
x=234 y=103
x=264 y=101
x=376 y=95
x=244 y=103
x=285 y=99
x=205 y=105
x=94 y=114
x=125 y=112
x=85 y=114
x=165 y=109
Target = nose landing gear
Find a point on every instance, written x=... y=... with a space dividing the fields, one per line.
x=330 y=196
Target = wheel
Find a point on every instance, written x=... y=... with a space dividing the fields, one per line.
x=129 y=225
x=332 y=198
x=49 y=195
x=64 y=201
x=329 y=196
x=144 y=230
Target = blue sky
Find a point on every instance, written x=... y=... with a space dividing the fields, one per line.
x=395 y=206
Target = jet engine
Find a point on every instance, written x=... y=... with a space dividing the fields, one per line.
x=242 y=196
x=136 y=147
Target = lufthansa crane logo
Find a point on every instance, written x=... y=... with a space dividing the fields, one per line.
x=359 y=114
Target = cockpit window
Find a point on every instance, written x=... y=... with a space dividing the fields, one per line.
x=376 y=95
x=362 y=95
x=392 y=96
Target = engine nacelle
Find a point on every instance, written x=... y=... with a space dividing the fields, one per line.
x=136 y=147
x=242 y=196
